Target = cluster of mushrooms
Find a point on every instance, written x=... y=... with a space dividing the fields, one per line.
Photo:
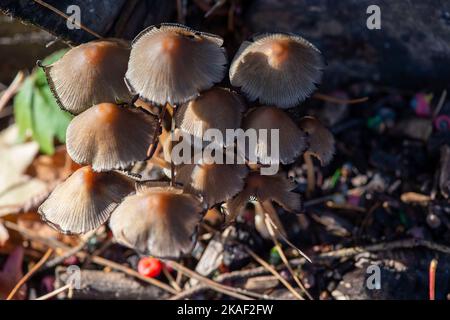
x=129 y=102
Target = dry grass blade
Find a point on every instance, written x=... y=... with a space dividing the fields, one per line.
x=55 y=292
x=65 y=16
x=29 y=274
x=232 y=292
x=274 y=272
x=268 y=223
x=328 y=98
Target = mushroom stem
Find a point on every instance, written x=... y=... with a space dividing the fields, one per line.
x=269 y=209
x=156 y=160
x=311 y=179
x=172 y=137
x=152 y=148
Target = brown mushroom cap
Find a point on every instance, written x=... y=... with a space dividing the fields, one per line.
x=217 y=108
x=275 y=188
x=278 y=69
x=85 y=200
x=292 y=141
x=160 y=221
x=321 y=140
x=172 y=63
x=215 y=182
x=108 y=136
x=89 y=74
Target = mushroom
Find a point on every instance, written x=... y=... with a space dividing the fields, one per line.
x=291 y=143
x=266 y=188
x=157 y=220
x=108 y=136
x=216 y=182
x=321 y=140
x=85 y=200
x=320 y=145
x=217 y=108
x=173 y=63
x=89 y=74
x=278 y=69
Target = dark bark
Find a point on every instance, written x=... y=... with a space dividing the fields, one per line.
x=411 y=49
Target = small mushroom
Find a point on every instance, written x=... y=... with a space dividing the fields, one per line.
x=321 y=140
x=278 y=69
x=216 y=182
x=89 y=74
x=108 y=136
x=159 y=221
x=173 y=63
x=217 y=108
x=291 y=143
x=265 y=189
x=85 y=200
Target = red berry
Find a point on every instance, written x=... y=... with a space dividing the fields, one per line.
x=149 y=267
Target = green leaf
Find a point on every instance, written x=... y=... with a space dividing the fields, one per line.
x=36 y=110
x=22 y=108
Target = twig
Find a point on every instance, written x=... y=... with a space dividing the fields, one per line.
x=55 y=292
x=12 y=89
x=52 y=243
x=29 y=274
x=274 y=272
x=65 y=16
x=55 y=261
x=172 y=281
x=290 y=243
x=401 y=244
x=232 y=292
x=283 y=257
x=432 y=280
x=332 y=99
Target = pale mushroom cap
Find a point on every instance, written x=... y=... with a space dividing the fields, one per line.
x=321 y=140
x=172 y=63
x=263 y=188
x=217 y=108
x=291 y=142
x=85 y=200
x=216 y=182
x=278 y=69
x=89 y=74
x=108 y=136
x=160 y=221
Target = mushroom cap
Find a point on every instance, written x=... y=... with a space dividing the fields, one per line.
x=217 y=108
x=321 y=140
x=278 y=69
x=216 y=182
x=173 y=63
x=292 y=141
x=160 y=221
x=85 y=200
x=108 y=136
x=264 y=188
x=89 y=74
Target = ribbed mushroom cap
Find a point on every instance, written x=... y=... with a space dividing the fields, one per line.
x=264 y=188
x=172 y=63
x=217 y=108
x=160 y=221
x=292 y=141
x=277 y=69
x=85 y=200
x=89 y=74
x=214 y=181
x=321 y=140
x=108 y=136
